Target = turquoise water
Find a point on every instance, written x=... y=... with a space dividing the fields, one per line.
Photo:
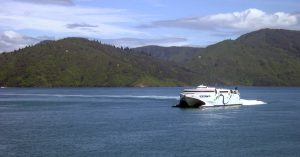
x=141 y=122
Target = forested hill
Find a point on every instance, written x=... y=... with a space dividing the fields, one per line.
x=268 y=57
x=81 y=62
x=265 y=57
x=174 y=53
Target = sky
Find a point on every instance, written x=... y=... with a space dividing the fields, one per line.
x=135 y=23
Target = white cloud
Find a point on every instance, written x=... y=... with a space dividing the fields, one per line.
x=53 y=19
x=80 y=25
x=10 y=40
x=137 y=42
x=53 y=2
x=250 y=19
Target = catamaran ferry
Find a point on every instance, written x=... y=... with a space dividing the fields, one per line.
x=204 y=96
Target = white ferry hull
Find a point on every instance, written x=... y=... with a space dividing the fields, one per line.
x=209 y=97
x=196 y=102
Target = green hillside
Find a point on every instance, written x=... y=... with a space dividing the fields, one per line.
x=266 y=57
x=80 y=62
x=174 y=53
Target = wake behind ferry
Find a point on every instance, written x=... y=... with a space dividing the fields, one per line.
x=204 y=96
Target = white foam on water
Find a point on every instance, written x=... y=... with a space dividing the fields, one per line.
x=157 y=97
x=101 y=96
x=252 y=102
x=152 y=97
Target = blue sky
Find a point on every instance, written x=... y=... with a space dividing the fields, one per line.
x=136 y=23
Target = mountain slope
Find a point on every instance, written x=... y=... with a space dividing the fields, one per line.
x=264 y=57
x=287 y=40
x=80 y=62
x=176 y=54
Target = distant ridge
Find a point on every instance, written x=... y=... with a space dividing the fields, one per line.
x=267 y=57
x=174 y=53
x=78 y=62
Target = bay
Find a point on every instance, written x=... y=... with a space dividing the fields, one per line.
x=141 y=122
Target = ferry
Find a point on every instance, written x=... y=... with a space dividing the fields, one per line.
x=204 y=96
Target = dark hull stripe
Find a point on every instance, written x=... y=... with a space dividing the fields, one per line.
x=223 y=105
x=200 y=91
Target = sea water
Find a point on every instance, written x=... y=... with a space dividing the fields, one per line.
x=141 y=122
